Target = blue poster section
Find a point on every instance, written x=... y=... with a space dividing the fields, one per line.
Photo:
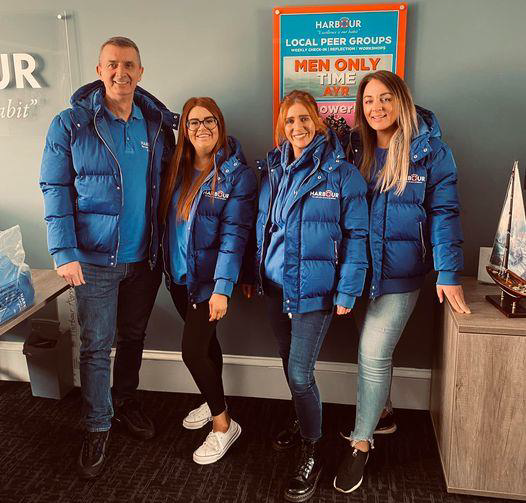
x=321 y=50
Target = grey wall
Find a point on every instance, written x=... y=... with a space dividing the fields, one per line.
x=465 y=60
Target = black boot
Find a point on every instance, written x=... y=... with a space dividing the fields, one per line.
x=302 y=485
x=289 y=437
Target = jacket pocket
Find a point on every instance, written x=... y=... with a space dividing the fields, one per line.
x=422 y=242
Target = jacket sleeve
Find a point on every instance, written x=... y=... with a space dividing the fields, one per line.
x=442 y=208
x=57 y=178
x=354 y=222
x=237 y=220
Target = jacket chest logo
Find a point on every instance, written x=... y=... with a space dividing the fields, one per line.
x=414 y=178
x=324 y=194
x=216 y=195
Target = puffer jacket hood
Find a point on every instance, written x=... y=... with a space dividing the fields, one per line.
x=428 y=127
x=90 y=98
x=425 y=217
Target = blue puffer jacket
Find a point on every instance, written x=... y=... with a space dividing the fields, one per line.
x=405 y=228
x=81 y=179
x=218 y=228
x=326 y=230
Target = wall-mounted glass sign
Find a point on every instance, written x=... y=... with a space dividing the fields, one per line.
x=35 y=71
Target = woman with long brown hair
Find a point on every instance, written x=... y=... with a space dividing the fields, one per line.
x=414 y=225
x=207 y=205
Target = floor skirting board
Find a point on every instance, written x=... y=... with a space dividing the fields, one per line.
x=255 y=376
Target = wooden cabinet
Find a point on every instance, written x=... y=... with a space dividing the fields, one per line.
x=478 y=398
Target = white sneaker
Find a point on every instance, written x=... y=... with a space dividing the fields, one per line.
x=197 y=418
x=216 y=444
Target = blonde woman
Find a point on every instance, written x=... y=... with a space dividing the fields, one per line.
x=414 y=224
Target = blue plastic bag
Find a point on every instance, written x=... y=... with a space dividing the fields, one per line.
x=16 y=287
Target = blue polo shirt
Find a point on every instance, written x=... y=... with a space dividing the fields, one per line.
x=131 y=147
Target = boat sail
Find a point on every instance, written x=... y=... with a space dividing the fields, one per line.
x=508 y=258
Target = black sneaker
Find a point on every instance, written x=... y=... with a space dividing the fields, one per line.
x=289 y=437
x=350 y=472
x=129 y=413
x=92 y=454
x=386 y=424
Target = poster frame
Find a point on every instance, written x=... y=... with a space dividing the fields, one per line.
x=277 y=12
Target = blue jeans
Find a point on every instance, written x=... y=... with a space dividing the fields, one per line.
x=114 y=300
x=385 y=320
x=299 y=341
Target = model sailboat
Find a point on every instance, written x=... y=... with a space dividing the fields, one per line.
x=507 y=265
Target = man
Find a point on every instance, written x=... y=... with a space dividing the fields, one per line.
x=100 y=178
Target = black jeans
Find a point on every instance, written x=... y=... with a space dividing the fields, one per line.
x=201 y=350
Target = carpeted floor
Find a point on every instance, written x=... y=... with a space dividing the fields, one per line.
x=40 y=440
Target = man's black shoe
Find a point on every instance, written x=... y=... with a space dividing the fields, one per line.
x=129 y=413
x=386 y=424
x=302 y=485
x=350 y=472
x=92 y=454
x=289 y=437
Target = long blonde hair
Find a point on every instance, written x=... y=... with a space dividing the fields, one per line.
x=183 y=160
x=396 y=168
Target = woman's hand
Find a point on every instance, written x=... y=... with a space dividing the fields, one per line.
x=218 y=305
x=342 y=310
x=455 y=296
x=247 y=290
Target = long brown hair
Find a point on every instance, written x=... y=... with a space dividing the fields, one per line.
x=183 y=160
x=396 y=168
x=309 y=103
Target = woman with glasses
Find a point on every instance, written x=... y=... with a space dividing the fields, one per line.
x=208 y=205
x=414 y=221
x=311 y=247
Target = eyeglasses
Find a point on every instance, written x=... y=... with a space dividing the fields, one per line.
x=208 y=122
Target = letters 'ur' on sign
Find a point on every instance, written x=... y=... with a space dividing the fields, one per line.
x=23 y=67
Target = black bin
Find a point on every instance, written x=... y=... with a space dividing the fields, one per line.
x=49 y=359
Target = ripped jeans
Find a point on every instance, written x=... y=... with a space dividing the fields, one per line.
x=385 y=320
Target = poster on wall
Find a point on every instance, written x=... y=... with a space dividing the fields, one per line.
x=327 y=50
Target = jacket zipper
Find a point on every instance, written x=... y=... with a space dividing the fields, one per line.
x=424 y=251
x=301 y=220
x=121 y=187
x=151 y=191
x=335 y=251
x=191 y=221
x=264 y=228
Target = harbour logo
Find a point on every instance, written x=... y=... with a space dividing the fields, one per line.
x=145 y=145
x=342 y=24
x=217 y=195
x=324 y=194
x=414 y=178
